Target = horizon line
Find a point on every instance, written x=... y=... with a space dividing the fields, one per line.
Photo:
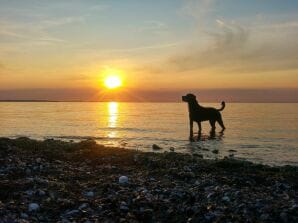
x=93 y=101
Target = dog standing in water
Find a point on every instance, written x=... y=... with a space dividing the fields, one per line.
x=198 y=113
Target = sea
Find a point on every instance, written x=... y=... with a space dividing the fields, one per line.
x=264 y=133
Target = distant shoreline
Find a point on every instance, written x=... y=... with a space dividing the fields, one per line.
x=265 y=102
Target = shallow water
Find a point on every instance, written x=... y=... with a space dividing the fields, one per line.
x=262 y=133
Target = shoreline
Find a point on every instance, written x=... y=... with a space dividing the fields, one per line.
x=79 y=181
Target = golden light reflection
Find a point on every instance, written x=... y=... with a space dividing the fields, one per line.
x=113 y=117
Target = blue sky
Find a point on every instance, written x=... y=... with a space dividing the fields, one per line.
x=168 y=44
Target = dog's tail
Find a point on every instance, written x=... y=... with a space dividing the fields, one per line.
x=223 y=105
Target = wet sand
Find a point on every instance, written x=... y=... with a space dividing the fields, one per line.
x=56 y=181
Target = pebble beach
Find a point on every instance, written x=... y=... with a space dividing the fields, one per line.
x=58 y=181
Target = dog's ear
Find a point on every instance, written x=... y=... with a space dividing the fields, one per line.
x=192 y=96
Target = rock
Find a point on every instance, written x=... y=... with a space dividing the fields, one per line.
x=33 y=207
x=147 y=213
x=172 y=149
x=28 y=171
x=226 y=199
x=72 y=213
x=41 y=193
x=24 y=215
x=294 y=207
x=38 y=160
x=210 y=195
x=123 y=206
x=186 y=169
x=264 y=217
x=215 y=151
x=89 y=194
x=29 y=192
x=184 y=174
x=136 y=158
x=83 y=206
x=99 y=208
x=198 y=155
x=156 y=147
x=123 y=180
x=197 y=183
x=283 y=216
x=210 y=217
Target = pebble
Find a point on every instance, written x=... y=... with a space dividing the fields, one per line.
x=123 y=180
x=176 y=187
x=33 y=207
x=28 y=171
x=226 y=199
x=24 y=215
x=72 y=213
x=29 y=192
x=41 y=193
x=156 y=147
x=83 y=206
x=89 y=194
x=215 y=151
x=283 y=216
x=123 y=207
x=198 y=155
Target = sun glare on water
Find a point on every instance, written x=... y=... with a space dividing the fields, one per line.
x=112 y=82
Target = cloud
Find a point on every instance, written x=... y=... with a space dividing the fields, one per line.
x=226 y=46
x=21 y=33
x=152 y=26
x=198 y=9
x=236 y=48
x=234 y=45
x=150 y=47
x=45 y=24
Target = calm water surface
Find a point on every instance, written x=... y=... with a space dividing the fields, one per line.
x=262 y=133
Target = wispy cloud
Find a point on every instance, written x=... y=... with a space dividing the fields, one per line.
x=152 y=47
x=233 y=46
x=19 y=33
x=152 y=26
x=49 y=23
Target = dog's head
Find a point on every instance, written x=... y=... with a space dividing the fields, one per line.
x=189 y=98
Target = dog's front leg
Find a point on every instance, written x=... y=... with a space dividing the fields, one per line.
x=200 y=128
x=190 y=129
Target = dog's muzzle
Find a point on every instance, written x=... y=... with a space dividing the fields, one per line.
x=184 y=98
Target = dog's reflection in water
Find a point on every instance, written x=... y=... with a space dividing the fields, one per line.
x=211 y=136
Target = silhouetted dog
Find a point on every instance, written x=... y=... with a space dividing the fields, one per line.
x=198 y=114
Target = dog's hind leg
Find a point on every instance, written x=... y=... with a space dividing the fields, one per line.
x=220 y=122
x=212 y=123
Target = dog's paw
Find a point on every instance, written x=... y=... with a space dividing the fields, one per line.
x=191 y=139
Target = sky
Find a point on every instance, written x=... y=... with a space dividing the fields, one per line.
x=235 y=49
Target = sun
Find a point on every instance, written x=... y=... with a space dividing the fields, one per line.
x=113 y=81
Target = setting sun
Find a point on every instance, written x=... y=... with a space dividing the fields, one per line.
x=113 y=82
